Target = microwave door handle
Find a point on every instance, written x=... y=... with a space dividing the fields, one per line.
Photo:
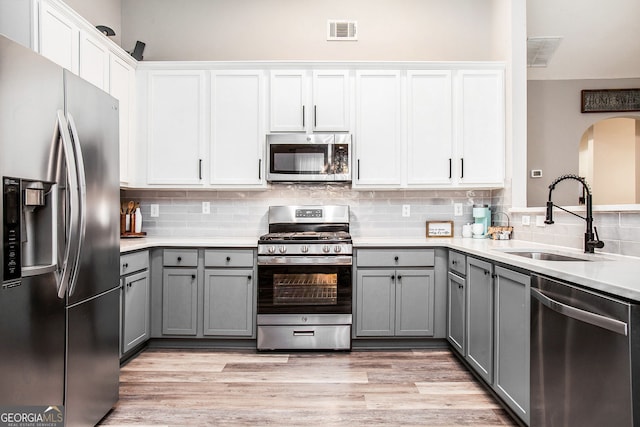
x=82 y=195
x=64 y=271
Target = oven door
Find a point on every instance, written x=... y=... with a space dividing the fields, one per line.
x=310 y=288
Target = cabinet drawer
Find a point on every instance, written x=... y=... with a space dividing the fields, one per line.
x=180 y=258
x=130 y=263
x=228 y=258
x=395 y=258
x=458 y=263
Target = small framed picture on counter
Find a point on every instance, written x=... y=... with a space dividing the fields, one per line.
x=439 y=228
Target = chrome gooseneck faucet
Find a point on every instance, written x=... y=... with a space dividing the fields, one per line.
x=591 y=239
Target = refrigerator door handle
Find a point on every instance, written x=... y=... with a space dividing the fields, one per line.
x=82 y=193
x=66 y=271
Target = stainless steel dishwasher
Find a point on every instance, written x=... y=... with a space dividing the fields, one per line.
x=584 y=357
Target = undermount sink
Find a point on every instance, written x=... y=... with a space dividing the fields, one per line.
x=545 y=256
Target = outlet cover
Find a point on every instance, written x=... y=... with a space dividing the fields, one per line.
x=155 y=211
x=457 y=209
x=206 y=208
x=540 y=221
x=406 y=210
x=526 y=220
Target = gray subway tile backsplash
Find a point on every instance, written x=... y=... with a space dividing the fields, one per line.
x=373 y=214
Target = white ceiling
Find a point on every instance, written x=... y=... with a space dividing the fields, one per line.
x=600 y=39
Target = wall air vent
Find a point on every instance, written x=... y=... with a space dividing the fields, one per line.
x=342 y=30
x=540 y=50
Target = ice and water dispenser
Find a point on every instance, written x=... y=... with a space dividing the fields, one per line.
x=29 y=229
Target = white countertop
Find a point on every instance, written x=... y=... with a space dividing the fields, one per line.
x=134 y=244
x=614 y=274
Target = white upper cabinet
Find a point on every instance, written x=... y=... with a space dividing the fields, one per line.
x=330 y=100
x=94 y=61
x=175 y=133
x=58 y=37
x=378 y=136
x=288 y=94
x=315 y=100
x=430 y=129
x=122 y=80
x=481 y=127
x=237 y=129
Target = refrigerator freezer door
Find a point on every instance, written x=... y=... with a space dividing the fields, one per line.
x=32 y=322
x=93 y=363
x=32 y=349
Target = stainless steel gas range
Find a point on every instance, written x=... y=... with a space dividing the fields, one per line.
x=304 y=279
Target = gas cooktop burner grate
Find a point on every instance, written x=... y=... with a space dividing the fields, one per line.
x=308 y=236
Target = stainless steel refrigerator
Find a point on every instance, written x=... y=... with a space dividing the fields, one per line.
x=59 y=301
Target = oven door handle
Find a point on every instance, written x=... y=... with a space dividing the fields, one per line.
x=303 y=260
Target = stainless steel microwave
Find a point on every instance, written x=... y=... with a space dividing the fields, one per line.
x=309 y=158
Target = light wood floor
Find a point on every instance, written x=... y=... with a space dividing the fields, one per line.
x=360 y=388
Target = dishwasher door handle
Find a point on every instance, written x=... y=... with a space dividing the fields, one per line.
x=612 y=325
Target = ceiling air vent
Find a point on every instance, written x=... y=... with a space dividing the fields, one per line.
x=540 y=50
x=342 y=30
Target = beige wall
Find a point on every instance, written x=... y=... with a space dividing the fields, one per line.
x=554 y=128
x=394 y=30
x=101 y=12
x=614 y=167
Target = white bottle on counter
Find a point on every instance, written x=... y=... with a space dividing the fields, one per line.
x=138 y=221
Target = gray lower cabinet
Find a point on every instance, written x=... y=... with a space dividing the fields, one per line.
x=456 y=312
x=179 y=301
x=479 y=317
x=512 y=326
x=228 y=302
x=488 y=324
x=135 y=300
x=180 y=292
x=394 y=301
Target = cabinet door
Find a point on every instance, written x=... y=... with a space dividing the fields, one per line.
x=18 y=21
x=122 y=79
x=378 y=137
x=58 y=37
x=330 y=100
x=430 y=131
x=228 y=302
x=237 y=133
x=375 y=303
x=179 y=301
x=480 y=317
x=288 y=92
x=136 y=310
x=456 y=312
x=175 y=127
x=481 y=127
x=414 y=303
x=512 y=303
x=94 y=61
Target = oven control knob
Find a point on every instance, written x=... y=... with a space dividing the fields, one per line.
x=304 y=249
x=337 y=249
x=271 y=249
x=326 y=249
x=282 y=249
